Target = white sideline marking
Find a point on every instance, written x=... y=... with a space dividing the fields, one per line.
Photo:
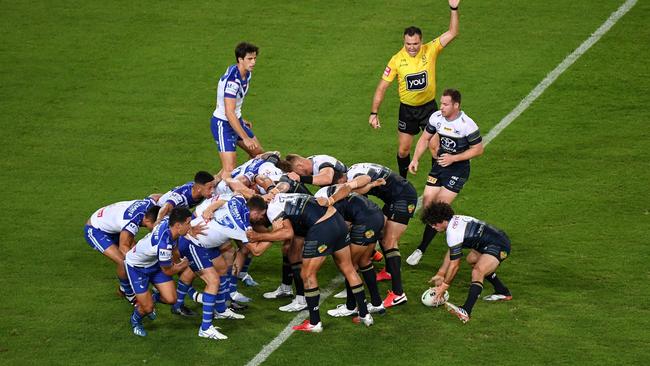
x=553 y=75
x=494 y=132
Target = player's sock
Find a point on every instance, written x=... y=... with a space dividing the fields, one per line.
x=220 y=302
x=474 y=292
x=233 y=284
x=181 y=291
x=499 y=287
x=312 y=296
x=403 y=165
x=156 y=297
x=244 y=269
x=427 y=237
x=136 y=318
x=125 y=286
x=394 y=264
x=195 y=295
x=300 y=287
x=286 y=271
x=228 y=284
x=360 y=297
x=208 y=308
x=350 y=303
x=370 y=278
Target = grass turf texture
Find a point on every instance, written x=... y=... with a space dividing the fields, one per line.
x=111 y=101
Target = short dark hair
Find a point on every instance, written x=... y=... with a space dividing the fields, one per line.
x=203 y=177
x=413 y=30
x=283 y=165
x=179 y=214
x=152 y=213
x=453 y=93
x=436 y=213
x=292 y=159
x=244 y=48
x=256 y=203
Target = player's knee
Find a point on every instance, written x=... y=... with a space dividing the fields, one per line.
x=168 y=298
x=477 y=274
x=146 y=307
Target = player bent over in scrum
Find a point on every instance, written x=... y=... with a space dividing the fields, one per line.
x=489 y=247
x=111 y=230
x=326 y=232
x=366 y=222
x=151 y=260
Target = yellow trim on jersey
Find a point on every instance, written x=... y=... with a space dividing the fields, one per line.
x=416 y=75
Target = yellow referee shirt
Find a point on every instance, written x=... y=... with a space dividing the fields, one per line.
x=416 y=75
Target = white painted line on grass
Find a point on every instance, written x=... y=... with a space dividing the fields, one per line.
x=288 y=330
x=494 y=132
x=553 y=75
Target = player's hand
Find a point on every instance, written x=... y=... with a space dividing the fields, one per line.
x=445 y=160
x=379 y=182
x=252 y=235
x=182 y=264
x=323 y=201
x=277 y=225
x=436 y=280
x=207 y=215
x=293 y=176
x=250 y=144
x=413 y=166
x=198 y=229
x=440 y=292
x=454 y=3
x=268 y=197
x=373 y=120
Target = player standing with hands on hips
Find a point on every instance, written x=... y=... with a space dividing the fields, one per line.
x=228 y=127
x=415 y=68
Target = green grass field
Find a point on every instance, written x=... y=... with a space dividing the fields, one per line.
x=109 y=101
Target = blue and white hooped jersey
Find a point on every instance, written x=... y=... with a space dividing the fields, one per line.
x=230 y=221
x=180 y=196
x=231 y=85
x=456 y=135
x=125 y=215
x=155 y=248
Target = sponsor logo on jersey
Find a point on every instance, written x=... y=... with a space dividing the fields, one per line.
x=322 y=248
x=411 y=208
x=369 y=234
x=387 y=71
x=503 y=255
x=165 y=254
x=232 y=88
x=415 y=82
x=447 y=143
x=432 y=180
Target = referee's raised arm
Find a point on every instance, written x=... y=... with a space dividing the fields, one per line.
x=449 y=35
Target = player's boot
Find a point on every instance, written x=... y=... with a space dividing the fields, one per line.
x=341 y=310
x=182 y=310
x=249 y=281
x=152 y=315
x=458 y=311
x=377 y=257
x=212 y=333
x=383 y=275
x=235 y=306
x=293 y=306
x=376 y=309
x=342 y=294
x=392 y=299
x=282 y=291
x=366 y=320
x=228 y=314
x=239 y=297
x=415 y=257
x=308 y=327
x=497 y=297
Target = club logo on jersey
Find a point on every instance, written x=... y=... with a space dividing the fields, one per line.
x=369 y=234
x=448 y=143
x=322 y=248
x=432 y=180
x=416 y=82
x=387 y=71
x=503 y=255
x=411 y=208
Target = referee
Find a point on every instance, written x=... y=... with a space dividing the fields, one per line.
x=415 y=68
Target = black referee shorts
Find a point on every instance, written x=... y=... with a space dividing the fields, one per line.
x=412 y=119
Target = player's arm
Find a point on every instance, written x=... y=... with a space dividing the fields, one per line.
x=454 y=254
x=439 y=277
x=473 y=151
x=324 y=177
x=421 y=146
x=282 y=230
x=208 y=213
x=164 y=211
x=166 y=258
x=127 y=240
x=365 y=184
x=450 y=34
x=230 y=105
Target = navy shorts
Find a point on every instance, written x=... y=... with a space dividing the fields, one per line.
x=198 y=256
x=140 y=277
x=100 y=240
x=225 y=136
x=452 y=177
x=326 y=237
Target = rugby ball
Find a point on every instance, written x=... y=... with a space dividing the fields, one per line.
x=428 y=298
